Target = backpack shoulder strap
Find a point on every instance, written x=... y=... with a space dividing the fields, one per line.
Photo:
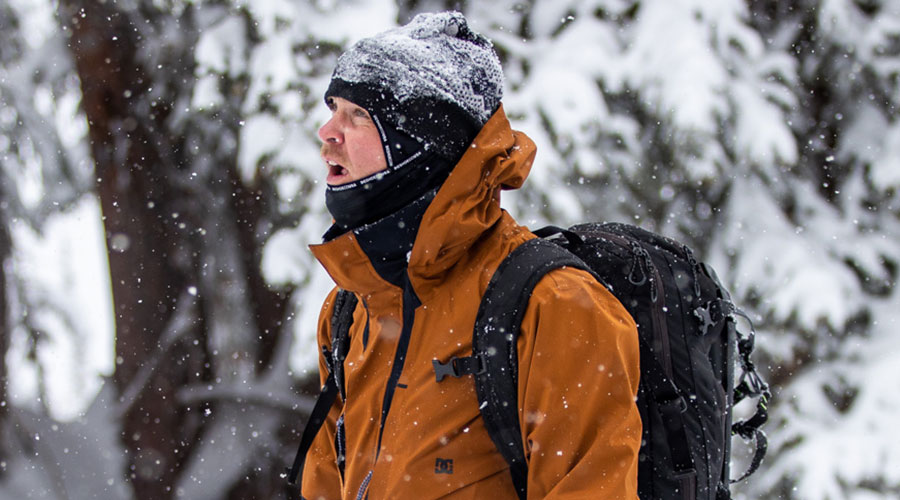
x=494 y=351
x=494 y=344
x=341 y=320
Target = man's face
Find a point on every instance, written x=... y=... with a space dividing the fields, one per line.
x=351 y=146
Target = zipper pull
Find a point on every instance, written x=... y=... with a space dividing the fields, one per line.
x=648 y=264
x=638 y=255
x=694 y=266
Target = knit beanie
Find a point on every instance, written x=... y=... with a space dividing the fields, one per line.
x=429 y=87
x=433 y=80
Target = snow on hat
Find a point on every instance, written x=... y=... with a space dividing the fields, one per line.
x=433 y=79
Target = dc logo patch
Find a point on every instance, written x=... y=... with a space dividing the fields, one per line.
x=443 y=466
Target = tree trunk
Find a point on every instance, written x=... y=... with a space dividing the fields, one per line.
x=191 y=308
x=142 y=246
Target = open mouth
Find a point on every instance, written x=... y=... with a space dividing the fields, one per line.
x=336 y=171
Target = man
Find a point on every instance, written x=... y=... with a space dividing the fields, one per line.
x=417 y=149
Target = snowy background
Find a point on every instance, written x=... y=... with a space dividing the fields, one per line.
x=161 y=156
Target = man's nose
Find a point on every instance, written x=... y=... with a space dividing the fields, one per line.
x=330 y=132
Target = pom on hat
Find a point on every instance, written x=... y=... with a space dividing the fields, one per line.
x=433 y=79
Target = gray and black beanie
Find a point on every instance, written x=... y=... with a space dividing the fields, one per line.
x=433 y=80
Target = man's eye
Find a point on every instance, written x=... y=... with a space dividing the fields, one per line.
x=361 y=113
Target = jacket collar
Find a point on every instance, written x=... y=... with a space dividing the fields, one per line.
x=465 y=208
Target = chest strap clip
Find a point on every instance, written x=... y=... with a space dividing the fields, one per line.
x=458 y=367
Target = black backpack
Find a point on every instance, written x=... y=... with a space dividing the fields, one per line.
x=689 y=346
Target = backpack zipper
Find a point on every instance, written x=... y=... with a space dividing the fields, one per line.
x=657 y=317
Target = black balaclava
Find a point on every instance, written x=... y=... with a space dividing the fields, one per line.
x=429 y=87
x=414 y=166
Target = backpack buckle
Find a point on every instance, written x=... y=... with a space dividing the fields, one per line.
x=673 y=406
x=457 y=367
x=713 y=313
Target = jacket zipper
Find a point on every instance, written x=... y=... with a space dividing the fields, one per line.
x=409 y=303
x=340 y=444
x=364 y=487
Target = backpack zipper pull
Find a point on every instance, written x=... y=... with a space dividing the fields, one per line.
x=694 y=266
x=642 y=255
x=638 y=254
x=651 y=268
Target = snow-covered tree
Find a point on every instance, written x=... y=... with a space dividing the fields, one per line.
x=763 y=133
x=44 y=170
x=200 y=338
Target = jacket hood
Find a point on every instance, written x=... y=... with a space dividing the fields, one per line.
x=464 y=208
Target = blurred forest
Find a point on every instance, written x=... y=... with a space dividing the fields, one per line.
x=160 y=180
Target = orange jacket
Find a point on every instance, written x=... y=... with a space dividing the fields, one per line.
x=578 y=360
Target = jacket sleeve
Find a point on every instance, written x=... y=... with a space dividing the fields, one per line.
x=321 y=478
x=578 y=379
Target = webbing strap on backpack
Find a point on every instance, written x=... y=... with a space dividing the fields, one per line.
x=344 y=305
x=327 y=396
x=751 y=385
